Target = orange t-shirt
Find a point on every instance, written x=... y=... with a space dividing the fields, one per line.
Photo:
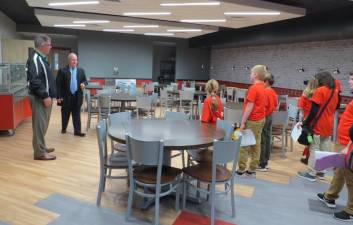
x=256 y=95
x=304 y=103
x=207 y=115
x=345 y=123
x=272 y=101
x=324 y=125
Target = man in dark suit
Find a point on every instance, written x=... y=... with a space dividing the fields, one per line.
x=70 y=82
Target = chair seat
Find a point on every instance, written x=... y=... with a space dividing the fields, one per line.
x=117 y=160
x=148 y=174
x=203 y=172
x=120 y=147
x=201 y=155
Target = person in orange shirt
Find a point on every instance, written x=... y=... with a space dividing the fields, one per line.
x=322 y=130
x=253 y=118
x=304 y=104
x=342 y=175
x=271 y=105
x=212 y=106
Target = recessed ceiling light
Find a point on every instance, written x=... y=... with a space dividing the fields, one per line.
x=159 y=34
x=191 y=4
x=203 y=21
x=91 y=21
x=118 y=30
x=141 y=26
x=73 y=3
x=69 y=25
x=268 y=13
x=184 y=30
x=146 y=13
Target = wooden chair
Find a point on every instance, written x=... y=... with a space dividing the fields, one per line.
x=151 y=174
x=107 y=161
x=215 y=173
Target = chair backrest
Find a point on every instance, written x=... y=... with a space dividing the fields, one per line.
x=199 y=108
x=118 y=117
x=227 y=127
x=176 y=116
x=187 y=94
x=164 y=94
x=101 y=129
x=282 y=101
x=225 y=152
x=293 y=112
x=232 y=115
x=143 y=152
x=280 y=118
x=192 y=84
x=224 y=101
x=144 y=102
x=230 y=93
x=240 y=93
x=103 y=101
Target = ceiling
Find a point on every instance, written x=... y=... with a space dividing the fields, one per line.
x=39 y=12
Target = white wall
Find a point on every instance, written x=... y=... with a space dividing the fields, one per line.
x=7 y=30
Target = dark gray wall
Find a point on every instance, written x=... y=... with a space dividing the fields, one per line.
x=192 y=63
x=100 y=52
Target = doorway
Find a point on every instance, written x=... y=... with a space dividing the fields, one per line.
x=164 y=54
x=58 y=59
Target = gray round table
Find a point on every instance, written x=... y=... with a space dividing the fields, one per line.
x=176 y=134
x=122 y=98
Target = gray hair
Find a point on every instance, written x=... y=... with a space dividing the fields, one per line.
x=71 y=55
x=40 y=40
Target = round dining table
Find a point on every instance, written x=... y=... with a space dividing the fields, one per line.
x=176 y=134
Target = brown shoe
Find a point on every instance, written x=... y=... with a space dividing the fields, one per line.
x=49 y=150
x=45 y=157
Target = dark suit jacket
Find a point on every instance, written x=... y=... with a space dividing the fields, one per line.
x=63 y=81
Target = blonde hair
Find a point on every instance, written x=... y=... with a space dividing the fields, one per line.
x=260 y=70
x=212 y=89
x=310 y=88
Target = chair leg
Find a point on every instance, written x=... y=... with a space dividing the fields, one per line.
x=100 y=187
x=177 y=197
x=213 y=189
x=198 y=184
x=104 y=178
x=185 y=183
x=156 y=207
x=130 y=200
x=182 y=158
x=283 y=147
x=208 y=194
x=232 y=197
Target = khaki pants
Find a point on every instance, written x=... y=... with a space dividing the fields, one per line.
x=40 y=122
x=253 y=152
x=341 y=176
x=319 y=144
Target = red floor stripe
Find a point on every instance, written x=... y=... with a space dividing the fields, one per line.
x=188 y=218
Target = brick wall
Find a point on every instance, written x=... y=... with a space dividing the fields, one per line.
x=284 y=60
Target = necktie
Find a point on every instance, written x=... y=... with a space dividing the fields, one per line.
x=73 y=84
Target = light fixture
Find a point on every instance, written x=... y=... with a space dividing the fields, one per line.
x=336 y=71
x=184 y=30
x=146 y=13
x=248 y=13
x=159 y=34
x=192 y=4
x=91 y=21
x=69 y=25
x=141 y=26
x=118 y=30
x=246 y=67
x=203 y=21
x=73 y=3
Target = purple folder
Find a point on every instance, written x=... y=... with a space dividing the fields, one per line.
x=324 y=160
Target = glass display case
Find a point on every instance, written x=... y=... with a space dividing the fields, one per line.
x=15 y=106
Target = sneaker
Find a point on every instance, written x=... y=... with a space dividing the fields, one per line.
x=320 y=175
x=304 y=161
x=307 y=176
x=250 y=173
x=240 y=173
x=343 y=216
x=329 y=203
x=262 y=168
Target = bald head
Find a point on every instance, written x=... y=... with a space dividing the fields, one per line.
x=72 y=59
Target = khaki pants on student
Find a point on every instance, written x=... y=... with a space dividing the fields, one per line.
x=319 y=144
x=342 y=176
x=40 y=122
x=253 y=152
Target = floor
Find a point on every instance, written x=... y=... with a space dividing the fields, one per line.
x=64 y=191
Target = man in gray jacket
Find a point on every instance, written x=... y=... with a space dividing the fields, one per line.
x=42 y=89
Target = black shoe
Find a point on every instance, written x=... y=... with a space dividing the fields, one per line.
x=250 y=173
x=304 y=161
x=329 y=203
x=63 y=131
x=343 y=216
x=80 y=134
x=240 y=173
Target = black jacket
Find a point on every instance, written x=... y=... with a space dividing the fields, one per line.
x=63 y=81
x=41 y=81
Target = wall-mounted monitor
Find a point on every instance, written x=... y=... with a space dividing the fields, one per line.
x=126 y=85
